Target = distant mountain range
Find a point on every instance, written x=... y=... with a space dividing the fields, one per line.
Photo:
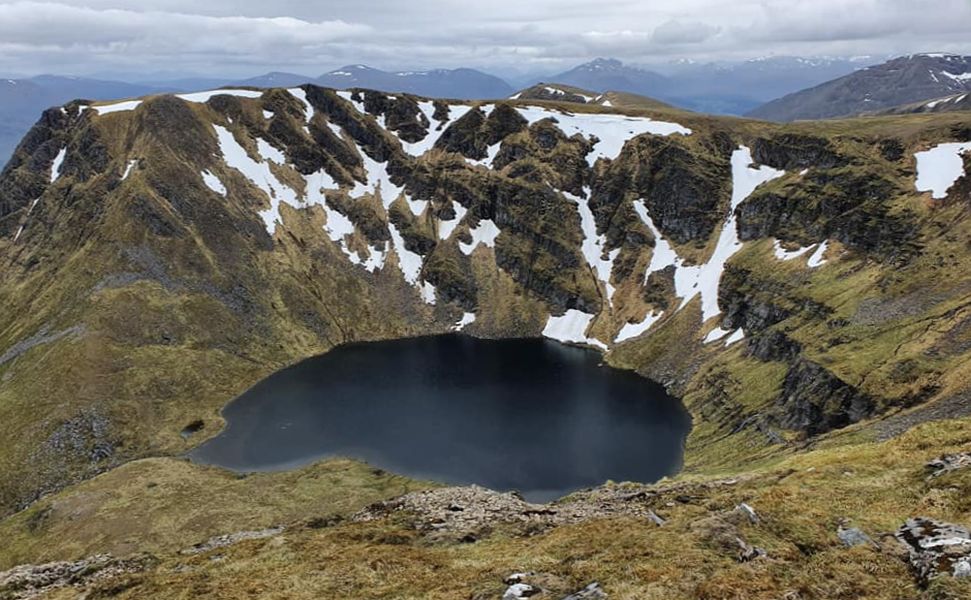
x=436 y=83
x=719 y=88
x=909 y=79
x=766 y=88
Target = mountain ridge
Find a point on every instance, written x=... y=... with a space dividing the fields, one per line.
x=903 y=80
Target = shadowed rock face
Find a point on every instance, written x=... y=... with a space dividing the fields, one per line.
x=842 y=204
x=814 y=400
x=685 y=190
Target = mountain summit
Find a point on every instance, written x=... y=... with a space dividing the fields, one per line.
x=605 y=74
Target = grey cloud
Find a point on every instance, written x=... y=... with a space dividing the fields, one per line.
x=244 y=37
x=683 y=32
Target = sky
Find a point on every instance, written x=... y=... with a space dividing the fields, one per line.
x=247 y=37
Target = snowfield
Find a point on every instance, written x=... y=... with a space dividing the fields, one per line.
x=484 y=233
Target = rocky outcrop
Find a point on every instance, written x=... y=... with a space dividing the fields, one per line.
x=936 y=548
x=794 y=152
x=472 y=135
x=470 y=513
x=948 y=463
x=556 y=93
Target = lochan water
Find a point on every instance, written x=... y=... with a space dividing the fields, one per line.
x=527 y=414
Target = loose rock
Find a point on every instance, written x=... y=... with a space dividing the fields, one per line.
x=747 y=552
x=749 y=513
x=221 y=541
x=30 y=581
x=591 y=592
x=853 y=536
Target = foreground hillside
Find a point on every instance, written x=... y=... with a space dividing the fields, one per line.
x=803 y=288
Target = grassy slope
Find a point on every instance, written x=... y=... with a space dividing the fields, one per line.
x=800 y=501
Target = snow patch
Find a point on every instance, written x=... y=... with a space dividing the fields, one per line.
x=691 y=281
x=738 y=336
x=301 y=95
x=939 y=167
x=269 y=152
x=107 y=109
x=716 y=334
x=663 y=255
x=695 y=280
x=633 y=330
x=817 y=259
x=350 y=98
x=213 y=183
x=593 y=245
x=467 y=319
x=435 y=127
x=571 y=327
x=783 y=254
x=959 y=77
x=56 y=165
x=207 y=95
x=445 y=228
x=491 y=153
x=338 y=226
x=379 y=181
x=612 y=131
x=257 y=172
x=410 y=264
x=131 y=164
x=484 y=233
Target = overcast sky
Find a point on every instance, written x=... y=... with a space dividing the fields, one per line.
x=248 y=37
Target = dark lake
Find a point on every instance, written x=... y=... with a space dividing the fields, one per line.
x=528 y=414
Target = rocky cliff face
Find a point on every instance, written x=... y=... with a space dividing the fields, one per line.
x=194 y=243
